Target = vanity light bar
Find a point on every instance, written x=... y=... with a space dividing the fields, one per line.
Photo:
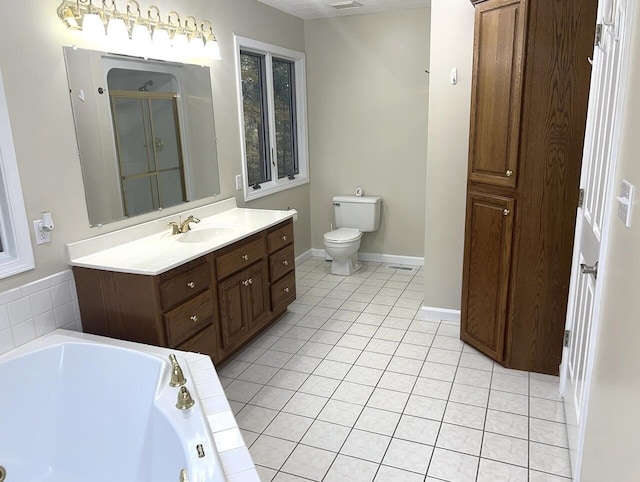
x=131 y=24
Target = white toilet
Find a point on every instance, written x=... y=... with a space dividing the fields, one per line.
x=354 y=215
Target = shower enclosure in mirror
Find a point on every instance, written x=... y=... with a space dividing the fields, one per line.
x=145 y=130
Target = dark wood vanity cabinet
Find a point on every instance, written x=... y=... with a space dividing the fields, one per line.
x=530 y=87
x=213 y=305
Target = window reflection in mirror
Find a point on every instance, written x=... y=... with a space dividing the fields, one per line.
x=145 y=133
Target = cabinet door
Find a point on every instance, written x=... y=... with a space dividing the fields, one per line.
x=244 y=303
x=487 y=263
x=496 y=94
x=233 y=322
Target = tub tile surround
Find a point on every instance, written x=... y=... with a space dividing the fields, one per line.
x=36 y=309
x=343 y=389
x=236 y=461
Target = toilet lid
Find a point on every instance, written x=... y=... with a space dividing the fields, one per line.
x=342 y=235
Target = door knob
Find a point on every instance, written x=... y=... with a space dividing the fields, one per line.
x=506 y=212
x=592 y=270
x=509 y=173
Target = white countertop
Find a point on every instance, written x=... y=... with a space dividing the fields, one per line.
x=151 y=249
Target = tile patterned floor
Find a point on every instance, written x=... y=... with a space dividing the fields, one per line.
x=355 y=384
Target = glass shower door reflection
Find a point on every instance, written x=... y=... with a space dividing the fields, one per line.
x=150 y=159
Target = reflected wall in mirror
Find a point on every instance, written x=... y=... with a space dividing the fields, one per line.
x=145 y=131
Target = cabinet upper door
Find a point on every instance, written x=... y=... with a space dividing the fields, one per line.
x=485 y=279
x=496 y=94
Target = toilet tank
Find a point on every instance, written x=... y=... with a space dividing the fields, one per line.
x=358 y=212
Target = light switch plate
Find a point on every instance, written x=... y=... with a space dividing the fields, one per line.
x=625 y=201
x=41 y=236
x=238 y=182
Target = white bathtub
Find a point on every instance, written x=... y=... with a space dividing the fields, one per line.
x=79 y=411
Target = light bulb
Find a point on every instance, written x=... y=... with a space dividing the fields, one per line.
x=180 y=42
x=93 y=27
x=161 y=38
x=141 y=36
x=212 y=49
x=117 y=32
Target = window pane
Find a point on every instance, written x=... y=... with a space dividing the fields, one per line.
x=255 y=112
x=284 y=100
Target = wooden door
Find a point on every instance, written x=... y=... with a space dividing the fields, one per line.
x=256 y=294
x=233 y=321
x=487 y=263
x=496 y=94
x=604 y=116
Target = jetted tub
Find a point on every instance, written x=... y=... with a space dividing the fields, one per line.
x=80 y=411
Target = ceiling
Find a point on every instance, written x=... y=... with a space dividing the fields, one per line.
x=308 y=9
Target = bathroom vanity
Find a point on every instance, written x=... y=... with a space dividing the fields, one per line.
x=209 y=290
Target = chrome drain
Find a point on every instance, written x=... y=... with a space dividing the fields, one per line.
x=3 y=473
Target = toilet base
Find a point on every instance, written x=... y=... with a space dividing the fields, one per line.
x=345 y=266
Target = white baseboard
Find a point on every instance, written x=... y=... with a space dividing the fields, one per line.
x=377 y=257
x=443 y=314
x=308 y=254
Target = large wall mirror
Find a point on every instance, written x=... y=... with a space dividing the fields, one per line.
x=145 y=130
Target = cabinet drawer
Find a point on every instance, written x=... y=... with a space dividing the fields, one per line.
x=188 y=319
x=280 y=237
x=205 y=342
x=184 y=285
x=240 y=258
x=281 y=262
x=283 y=292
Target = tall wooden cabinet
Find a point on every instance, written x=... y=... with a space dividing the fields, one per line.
x=528 y=112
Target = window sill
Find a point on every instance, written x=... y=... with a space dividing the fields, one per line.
x=253 y=194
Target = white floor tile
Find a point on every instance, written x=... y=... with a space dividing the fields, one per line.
x=241 y=391
x=429 y=387
x=546 y=458
x=461 y=439
x=438 y=371
x=288 y=379
x=353 y=393
x=326 y=435
x=343 y=355
x=378 y=421
x=492 y=471
x=416 y=429
x=255 y=419
x=309 y=462
x=397 y=381
x=288 y=426
x=388 y=400
x=465 y=415
x=272 y=397
x=370 y=359
x=366 y=445
x=354 y=341
x=257 y=374
x=318 y=350
x=546 y=409
x=453 y=466
x=406 y=455
x=364 y=375
x=471 y=376
x=391 y=474
x=386 y=347
x=425 y=407
x=551 y=433
x=407 y=366
x=302 y=363
x=271 y=452
x=508 y=383
x=321 y=386
x=505 y=449
x=509 y=402
x=305 y=405
x=340 y=413
x=506 y=423
x=354 y=470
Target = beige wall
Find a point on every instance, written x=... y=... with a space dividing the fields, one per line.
x=367 y=96
x=612 y=444
x=34 y=75
x=448 y=140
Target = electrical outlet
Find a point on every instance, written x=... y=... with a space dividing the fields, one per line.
x=41 y=236
x=238 y=182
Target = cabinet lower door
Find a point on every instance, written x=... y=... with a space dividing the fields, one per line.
x=244 y=304
x=487 y=263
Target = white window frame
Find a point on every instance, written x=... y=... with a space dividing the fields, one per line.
x=17 y=250
x=298 y=59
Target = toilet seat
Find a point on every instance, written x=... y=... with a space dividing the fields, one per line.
x=343 y=235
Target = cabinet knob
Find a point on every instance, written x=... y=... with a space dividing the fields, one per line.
x=284 y=237
x=506 y=212
x=245 y=257
x=248 y=282
x=285 y=262
x=509 y=173
x=286 y=290
x=194 y=318
x=191 y=284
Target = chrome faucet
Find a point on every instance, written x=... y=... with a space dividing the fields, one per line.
x=182 y=226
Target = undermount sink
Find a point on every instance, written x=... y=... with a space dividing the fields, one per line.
x=205 y=234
